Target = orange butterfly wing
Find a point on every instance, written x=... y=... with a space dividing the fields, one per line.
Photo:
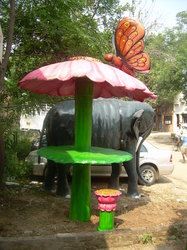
x=129 y=45
x=140 y=62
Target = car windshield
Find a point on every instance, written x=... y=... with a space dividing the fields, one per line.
x=143 y=149
x=150 y=145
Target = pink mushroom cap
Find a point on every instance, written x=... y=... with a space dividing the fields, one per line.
x=59 y=80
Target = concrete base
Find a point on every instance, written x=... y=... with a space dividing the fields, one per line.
x=119 y=239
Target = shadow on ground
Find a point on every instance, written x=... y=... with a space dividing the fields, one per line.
x=163 y=180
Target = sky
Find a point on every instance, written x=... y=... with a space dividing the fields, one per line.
x=163 y=10
x=168 y=10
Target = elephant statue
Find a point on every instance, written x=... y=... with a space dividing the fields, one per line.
x=116 y=124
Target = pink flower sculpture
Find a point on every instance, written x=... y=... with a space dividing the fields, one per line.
x=107 y=199
x=59 y=80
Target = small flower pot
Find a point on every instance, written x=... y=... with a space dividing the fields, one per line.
x=107 y=203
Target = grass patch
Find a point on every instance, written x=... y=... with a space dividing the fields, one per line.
x=146 y=238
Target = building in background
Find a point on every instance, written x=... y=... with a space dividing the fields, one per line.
x=168 y=117
x=179 y=112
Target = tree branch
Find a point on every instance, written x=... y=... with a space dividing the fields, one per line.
x=1 y=44
x=96 y=8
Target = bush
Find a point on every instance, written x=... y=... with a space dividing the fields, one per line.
x=16 y=169
x=17 y=147
x=23 y=147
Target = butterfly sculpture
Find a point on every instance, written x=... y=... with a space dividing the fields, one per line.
x=129 y=46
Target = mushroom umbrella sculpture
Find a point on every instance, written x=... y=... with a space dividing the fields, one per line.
x=84 y=78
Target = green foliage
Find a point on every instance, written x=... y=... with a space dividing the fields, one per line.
x=182 y=20
x=16 y=169
x=17 y=147
x=146 y=238
x=176 y=232
x=168 y=52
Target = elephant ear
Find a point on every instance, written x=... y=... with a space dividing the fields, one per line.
x=135 y=126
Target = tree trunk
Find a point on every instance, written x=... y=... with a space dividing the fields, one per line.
x=2 y=160
x=3 y=68
x=9 y=41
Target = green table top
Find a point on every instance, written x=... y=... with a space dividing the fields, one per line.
x=97 y=155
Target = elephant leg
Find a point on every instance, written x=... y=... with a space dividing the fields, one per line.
x=131 y=170
x=114 y=179
x=132 y=189
x=63 y=188
x=49 y=175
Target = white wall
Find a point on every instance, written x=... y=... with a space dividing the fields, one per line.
x=180 y=107
x=32 y=121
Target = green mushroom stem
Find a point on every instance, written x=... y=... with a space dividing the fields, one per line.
x=81 y=180
x=106 y=220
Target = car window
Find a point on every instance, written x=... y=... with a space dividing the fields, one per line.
x=143 y=149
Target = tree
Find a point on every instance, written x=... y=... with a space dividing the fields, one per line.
x=1 y=45
x=182 y=21
x=168 y=51
x=3 y=68
x=9 y=41
x=182 y=25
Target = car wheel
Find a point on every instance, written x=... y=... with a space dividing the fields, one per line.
x=147 y=175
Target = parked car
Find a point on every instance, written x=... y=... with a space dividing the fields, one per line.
x=154 y=162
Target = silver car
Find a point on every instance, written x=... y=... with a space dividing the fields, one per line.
x=154 y=162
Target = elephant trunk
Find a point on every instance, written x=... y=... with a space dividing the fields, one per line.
x=130 y=168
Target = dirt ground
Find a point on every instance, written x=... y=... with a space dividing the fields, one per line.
x=26 y=210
